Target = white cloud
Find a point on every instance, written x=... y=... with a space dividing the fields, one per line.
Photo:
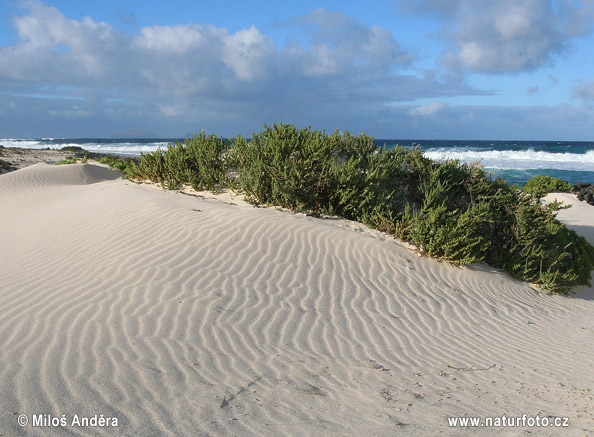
x=64 y=47
x=343 y=70
x=340 y=45
x=320 y=60
x=249 y=54
x=508 y=35
x=428 y=109
x=179 y=40
x=208 y=61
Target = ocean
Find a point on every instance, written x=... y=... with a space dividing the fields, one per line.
x=514 y=161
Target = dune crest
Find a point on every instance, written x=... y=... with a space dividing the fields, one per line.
x=41 y=175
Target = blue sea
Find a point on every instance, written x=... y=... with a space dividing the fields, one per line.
x=514 y=161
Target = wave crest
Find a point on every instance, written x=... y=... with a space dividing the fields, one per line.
x=518 y=159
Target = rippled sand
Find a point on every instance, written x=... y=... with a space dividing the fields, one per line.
x=185 y=315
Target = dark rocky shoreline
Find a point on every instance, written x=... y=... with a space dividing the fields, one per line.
x=584 y=192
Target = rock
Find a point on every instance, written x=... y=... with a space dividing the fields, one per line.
x=580 y=185
x=584 y=192
x=72 y=149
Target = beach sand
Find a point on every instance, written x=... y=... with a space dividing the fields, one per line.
x=190 y=315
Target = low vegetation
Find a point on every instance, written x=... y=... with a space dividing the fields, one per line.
x=198 y=161
x=116 y=162
x=540 y=186
x=449 y=210
x=72 y=160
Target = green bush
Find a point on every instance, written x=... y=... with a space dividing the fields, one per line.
x=66 y=161
x=540 y=249
x=540 y=186
x=453 y=236
x=149 y=166
x=206 y=163
x=116 y=162
x=286 y=166
x=377 y=186
x=198 y=161
x=448 y=210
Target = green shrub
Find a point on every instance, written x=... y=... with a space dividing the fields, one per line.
x=73 y=160
x=206 y=163
x=66 y=161
x=149 y=166
x=541 y=250
x=287 y=167
x=453 y=236
x=540 y=186
x=376 y=187
x=116 y=162
x=198 y=161
x=448 y=223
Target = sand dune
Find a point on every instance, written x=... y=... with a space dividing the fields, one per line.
x=182 y=315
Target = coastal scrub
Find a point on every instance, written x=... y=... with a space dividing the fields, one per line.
x=540 y=186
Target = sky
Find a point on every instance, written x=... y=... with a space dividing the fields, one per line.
x=403 y=69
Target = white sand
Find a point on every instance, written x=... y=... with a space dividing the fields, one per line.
x=580 y=217
x=187 y=316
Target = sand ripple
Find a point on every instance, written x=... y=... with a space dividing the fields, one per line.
x=189 y=316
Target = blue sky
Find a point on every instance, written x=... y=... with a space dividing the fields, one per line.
x=418 y=69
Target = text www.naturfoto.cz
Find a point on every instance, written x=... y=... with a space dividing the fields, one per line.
x=510 y=422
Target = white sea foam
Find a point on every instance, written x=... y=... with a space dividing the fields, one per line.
x=518 y=159
x=126 y=148
x=24 y=143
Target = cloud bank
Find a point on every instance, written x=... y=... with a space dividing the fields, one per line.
x=507 y=35
x=72 y=68
x=66 y=77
